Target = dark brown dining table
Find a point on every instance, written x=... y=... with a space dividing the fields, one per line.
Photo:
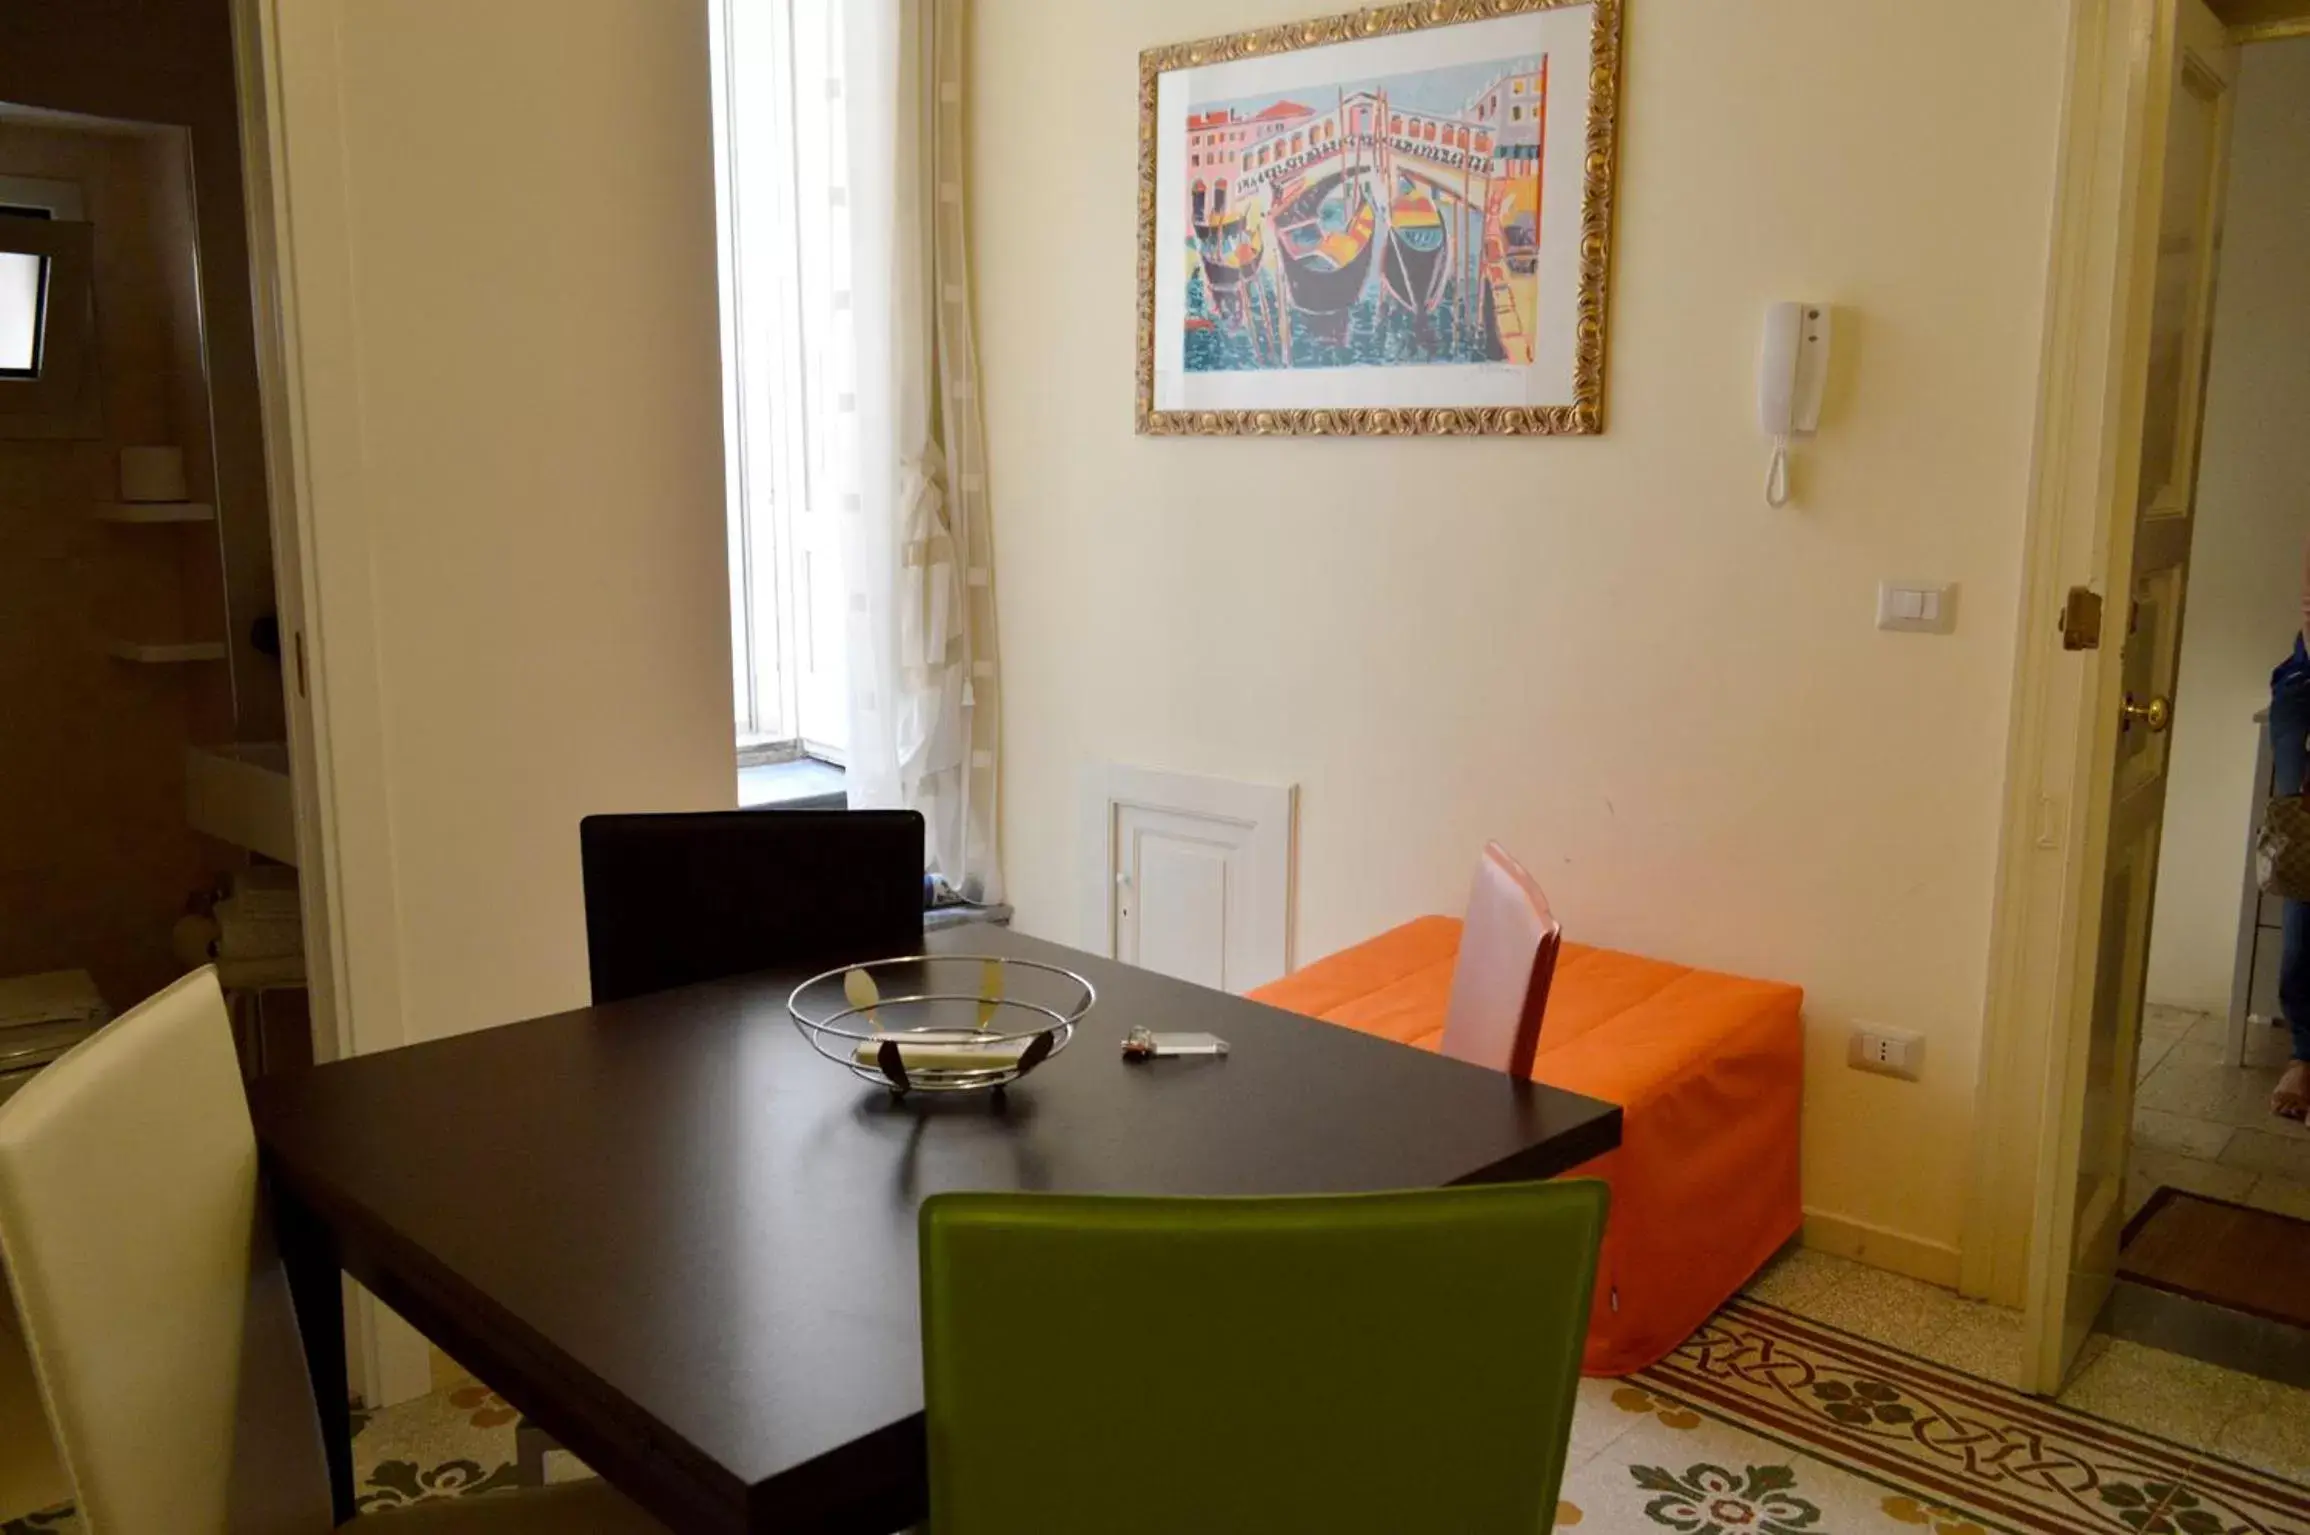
x=683 y=1244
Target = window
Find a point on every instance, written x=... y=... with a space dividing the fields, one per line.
x=1515 y=114
x=780 y=198
x=24 y=277
x=23 y=296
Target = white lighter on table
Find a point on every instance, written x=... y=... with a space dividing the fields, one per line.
x=1146 y=1045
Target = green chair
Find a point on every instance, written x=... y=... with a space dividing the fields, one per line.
x=1381 y=1362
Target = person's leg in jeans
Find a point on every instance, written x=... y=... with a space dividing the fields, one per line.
x=2290 y=753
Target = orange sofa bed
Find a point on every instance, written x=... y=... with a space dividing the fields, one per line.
x=1708 y=1071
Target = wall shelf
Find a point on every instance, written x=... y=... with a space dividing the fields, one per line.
x=155 y=511
x=165 y=655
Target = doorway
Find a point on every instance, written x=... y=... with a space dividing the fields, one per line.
x=146 y=823
x=2115 y=512
x=141 y=834
x=2217 y=1200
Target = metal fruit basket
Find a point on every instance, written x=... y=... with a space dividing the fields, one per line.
x=941 y=1023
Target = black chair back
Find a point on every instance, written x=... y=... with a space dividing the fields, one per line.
x=674 y=899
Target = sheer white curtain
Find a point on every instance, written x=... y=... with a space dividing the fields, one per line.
x=896 y=411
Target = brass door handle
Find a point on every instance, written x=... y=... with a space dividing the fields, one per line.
x=2158 y=713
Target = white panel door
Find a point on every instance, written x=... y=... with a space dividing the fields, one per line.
x=1171 y=907
x=1188 y=876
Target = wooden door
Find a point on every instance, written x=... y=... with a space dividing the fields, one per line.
x=2142 y=640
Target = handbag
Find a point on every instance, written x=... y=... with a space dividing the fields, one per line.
x=2282 y=849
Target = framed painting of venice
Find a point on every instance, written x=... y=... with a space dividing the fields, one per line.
x=1394 y=221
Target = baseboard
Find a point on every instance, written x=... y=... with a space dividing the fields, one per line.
x=1897 y=1251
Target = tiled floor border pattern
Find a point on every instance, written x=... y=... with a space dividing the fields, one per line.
x=1957 y=1454
x=2016 y=1462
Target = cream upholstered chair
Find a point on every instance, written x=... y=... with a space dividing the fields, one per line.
x=1507 y=960
x=156 y=1308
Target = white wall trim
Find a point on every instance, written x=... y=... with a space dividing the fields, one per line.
x=1268 y=810
x=308 y=346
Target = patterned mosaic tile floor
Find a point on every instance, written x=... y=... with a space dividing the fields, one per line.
x=1833 y=1398
x=1871 y=1437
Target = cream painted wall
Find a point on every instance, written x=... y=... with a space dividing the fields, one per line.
x=2253 y=518
x=500 y=239
x=1609 y=653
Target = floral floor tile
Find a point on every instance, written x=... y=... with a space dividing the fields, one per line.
x=1687 y=1473
x=1946 y=1440
x=448 y=1444
x=1764 y=1423
x=1599 y=1422
x=453 y=1443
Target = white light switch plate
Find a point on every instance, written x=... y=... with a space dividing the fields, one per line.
x=1916 y=607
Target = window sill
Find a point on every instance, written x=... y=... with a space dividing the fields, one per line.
x=802 y=784
x=805 y=783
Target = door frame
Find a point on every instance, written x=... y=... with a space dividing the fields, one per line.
x=308 y=341
x=2053 y=844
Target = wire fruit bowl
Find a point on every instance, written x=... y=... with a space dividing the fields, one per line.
x=941 y=1023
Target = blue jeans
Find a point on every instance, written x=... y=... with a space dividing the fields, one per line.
x=2290 y=753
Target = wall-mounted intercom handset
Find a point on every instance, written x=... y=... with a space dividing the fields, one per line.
x=1791 y=374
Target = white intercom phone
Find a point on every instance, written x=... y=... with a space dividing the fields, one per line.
x=1791 y=375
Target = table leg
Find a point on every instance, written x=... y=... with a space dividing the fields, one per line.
x=317 y=1290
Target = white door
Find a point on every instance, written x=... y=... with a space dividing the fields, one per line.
x=1188 y=876
x=2141 y=650
x=1171 y=892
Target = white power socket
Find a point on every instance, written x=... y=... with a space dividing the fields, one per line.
x=1892 y=1052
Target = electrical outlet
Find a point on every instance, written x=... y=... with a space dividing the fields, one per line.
x=1891 y=1052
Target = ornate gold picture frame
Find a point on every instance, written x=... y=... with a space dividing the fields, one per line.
x=1390 y=222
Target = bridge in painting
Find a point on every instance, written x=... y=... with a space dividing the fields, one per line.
x=1479 y=165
